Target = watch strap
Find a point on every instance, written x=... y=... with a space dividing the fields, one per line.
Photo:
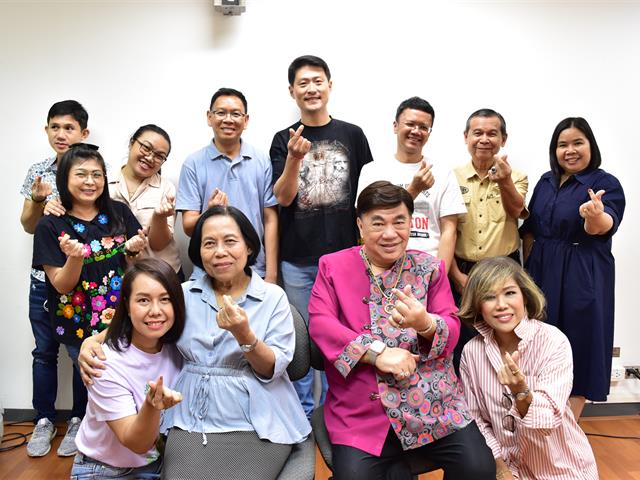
x=522 y=395
x=250 y=347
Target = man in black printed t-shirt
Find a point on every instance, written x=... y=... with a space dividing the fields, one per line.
x=316 y=165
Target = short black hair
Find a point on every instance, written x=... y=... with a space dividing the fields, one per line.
x=78 y=153
x=249 y=235
x=121 y=328
x=383 y=194
x=487 y=113
x=582 y=125
x=229 y=92
x=150 y=128
x=416 y=103
x=307 y=61
x=72 y=108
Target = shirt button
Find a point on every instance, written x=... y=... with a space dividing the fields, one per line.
x=374 y=396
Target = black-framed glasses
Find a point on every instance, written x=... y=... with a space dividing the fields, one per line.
x=222 y=114
x=146 y=150
x=420 y=126
x=90 y=146
x=508 y=421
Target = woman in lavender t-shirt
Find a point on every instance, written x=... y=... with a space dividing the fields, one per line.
x=118 y=433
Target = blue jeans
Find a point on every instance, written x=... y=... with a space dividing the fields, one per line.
x=298 y=281
x=45 y=359
x=87 y=468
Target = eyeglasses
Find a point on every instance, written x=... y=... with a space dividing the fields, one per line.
x=420 y=126
x=146 y=150
x=222 y=114
x=508 y=421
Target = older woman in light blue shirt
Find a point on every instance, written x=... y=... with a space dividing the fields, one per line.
x=237 y=342
x=240 y=416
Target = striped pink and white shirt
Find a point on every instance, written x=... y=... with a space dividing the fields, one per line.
x=547 y=442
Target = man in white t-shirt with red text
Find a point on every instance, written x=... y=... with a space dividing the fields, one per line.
x=434 y=189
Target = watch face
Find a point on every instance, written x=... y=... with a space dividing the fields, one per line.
x=377 y=347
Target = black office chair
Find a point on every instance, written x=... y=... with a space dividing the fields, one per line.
x=320 y=428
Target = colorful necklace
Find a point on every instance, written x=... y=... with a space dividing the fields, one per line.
x=389 y=306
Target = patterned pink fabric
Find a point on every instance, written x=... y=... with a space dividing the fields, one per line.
x=346 y=314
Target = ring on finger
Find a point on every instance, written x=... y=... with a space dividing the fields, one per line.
x=515 y=372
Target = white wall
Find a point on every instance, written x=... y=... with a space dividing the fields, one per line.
x=133 y=62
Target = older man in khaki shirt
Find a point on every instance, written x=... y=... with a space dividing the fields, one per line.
x=494 y=195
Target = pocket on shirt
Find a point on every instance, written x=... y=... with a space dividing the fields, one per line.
x=495 y=206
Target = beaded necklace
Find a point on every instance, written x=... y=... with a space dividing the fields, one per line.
x=390 y=305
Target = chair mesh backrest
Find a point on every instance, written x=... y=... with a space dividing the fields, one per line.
x=299 y=365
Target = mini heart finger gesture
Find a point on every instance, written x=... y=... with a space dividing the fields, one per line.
x=137 y=243
x=510 y=374
x=231 y=316
x=408 y=312
x=218 y=198
x=594 y=207
x=501 y=168
x=298 y=146
x=167 y=206
x=161 y=397
x=71 y=247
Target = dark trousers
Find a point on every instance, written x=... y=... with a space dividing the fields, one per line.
x=466 y=332
x=45 y=360
x=462 y=455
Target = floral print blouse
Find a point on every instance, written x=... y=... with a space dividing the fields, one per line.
x=89 y=307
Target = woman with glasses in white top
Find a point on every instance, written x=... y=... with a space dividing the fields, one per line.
x=517 y=376
x=150 y=196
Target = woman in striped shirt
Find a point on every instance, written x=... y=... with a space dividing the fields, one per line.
x=517 y=377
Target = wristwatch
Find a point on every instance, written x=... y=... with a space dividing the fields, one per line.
x=521 y=395
x=375 y=349
x=250 y=347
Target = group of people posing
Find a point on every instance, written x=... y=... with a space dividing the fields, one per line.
x=440 y=350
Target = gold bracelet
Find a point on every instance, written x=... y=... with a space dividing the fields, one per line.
x=428 y=330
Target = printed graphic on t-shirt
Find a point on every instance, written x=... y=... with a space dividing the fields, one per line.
x=423 y=193
x=324 y=179
x=419 y=226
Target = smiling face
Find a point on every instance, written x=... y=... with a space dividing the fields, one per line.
x=147 y=153
x=223 y=250
x=63 y=131
x=385 y=233
x=484 y=139
x=573 y=151
x=412 y=130
x=503 y=308
x=151 y=312
x=311 y=89
x=86 y=182
x=226 y=129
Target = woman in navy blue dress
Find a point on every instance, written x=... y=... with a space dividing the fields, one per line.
x=575 y=210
